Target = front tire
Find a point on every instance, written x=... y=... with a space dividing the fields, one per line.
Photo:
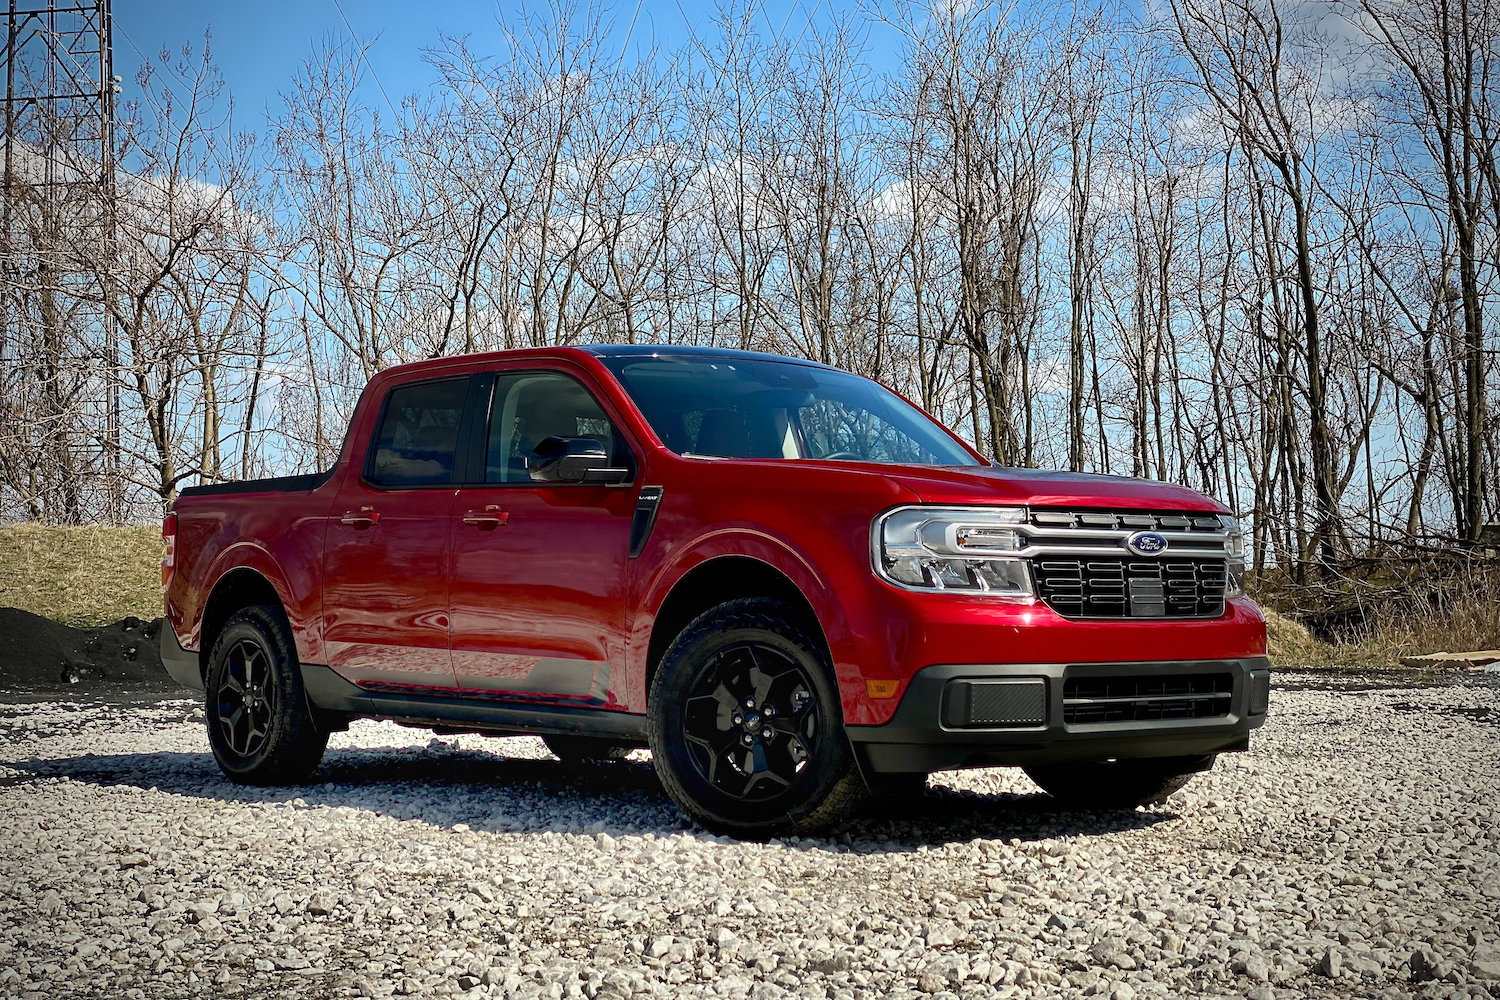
x=745 y=725
x=1118 y=784
x=259 y=725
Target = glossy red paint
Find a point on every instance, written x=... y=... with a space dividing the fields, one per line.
x=434 y=595
x=538 y=579
x=385 y=585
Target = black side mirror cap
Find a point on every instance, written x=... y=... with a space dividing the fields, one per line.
x=574 y=460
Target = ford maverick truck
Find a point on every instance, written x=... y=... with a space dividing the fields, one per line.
x=789 y=583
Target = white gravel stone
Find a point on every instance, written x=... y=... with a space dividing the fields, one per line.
x=1352 y=852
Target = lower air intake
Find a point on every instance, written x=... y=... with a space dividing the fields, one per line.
x=1146 y=699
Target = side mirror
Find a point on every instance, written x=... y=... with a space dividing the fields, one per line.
x=573 y=460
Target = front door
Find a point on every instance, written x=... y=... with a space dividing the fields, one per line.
x=538 y=581
x=385 y=585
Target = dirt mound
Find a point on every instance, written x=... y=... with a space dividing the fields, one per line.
x=38 y=654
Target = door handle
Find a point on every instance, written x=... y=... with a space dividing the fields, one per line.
x=365 y=517
x=488 y=519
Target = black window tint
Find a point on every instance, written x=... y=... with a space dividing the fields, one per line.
x=418 y=434
x=531 y=406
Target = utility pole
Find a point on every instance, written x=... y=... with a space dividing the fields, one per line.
x=59 y=108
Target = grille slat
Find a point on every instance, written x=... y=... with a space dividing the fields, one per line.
x=1186 y=581
x=1131 y=588
x=1088 y=700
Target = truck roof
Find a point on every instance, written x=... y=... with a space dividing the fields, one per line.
x=689 y=351
x=604 y=352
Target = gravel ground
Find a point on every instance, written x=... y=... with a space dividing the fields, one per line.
x=1353 y=852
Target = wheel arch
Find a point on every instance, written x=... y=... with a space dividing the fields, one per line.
x=241 y=587
x=717 y=581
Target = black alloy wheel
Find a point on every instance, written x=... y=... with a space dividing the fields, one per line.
x=751 y=720
x=247 y=697
x=745 y=725
x=260 y=727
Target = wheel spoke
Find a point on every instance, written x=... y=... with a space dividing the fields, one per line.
x=254 y=664
x=788 y=756
x=714 y=748
x=760 y=679
x=229 y=722
x=246 y=698
x=722 y=772
x=750 y=721
x=234 y=730
x=761 y=773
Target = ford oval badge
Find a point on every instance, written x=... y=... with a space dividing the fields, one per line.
x=1147 y=543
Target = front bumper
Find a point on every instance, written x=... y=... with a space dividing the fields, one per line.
x=928 y=733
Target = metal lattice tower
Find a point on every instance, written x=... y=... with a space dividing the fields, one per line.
x=59 y=112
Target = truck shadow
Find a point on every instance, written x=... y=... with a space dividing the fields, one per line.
x=489 y=792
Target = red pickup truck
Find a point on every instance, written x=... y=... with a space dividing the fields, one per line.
x=791 y=584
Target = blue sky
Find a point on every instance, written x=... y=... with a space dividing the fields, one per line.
x=259 y=46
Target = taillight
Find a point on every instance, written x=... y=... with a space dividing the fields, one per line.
x=169 y=549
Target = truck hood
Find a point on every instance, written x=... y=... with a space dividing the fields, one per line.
x=1035 y=487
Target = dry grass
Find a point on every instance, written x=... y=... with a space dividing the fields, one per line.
x=1463 y=616
x=1454 y=615
x=82 y=576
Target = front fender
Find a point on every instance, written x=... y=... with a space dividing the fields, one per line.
x=750 y=541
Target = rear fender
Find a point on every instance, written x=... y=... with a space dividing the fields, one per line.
x=302 y=612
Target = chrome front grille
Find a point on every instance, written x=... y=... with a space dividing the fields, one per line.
x=1082 y=568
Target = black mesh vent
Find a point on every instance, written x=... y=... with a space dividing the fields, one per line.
x=1126 y=587
x=995 y=704
x=1146 y=699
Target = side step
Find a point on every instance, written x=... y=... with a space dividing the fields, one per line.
x=331 y=693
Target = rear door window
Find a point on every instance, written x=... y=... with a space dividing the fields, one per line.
x=418 y=434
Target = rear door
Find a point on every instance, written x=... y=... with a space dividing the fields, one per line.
x=539 y=569
x=385 y=583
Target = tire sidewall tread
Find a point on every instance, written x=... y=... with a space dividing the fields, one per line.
x=295 y=744
x=841 y=789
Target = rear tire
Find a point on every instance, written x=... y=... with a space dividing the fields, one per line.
x=1118 y=784
x=746 y=728
x=256 y=710
x=586 y=749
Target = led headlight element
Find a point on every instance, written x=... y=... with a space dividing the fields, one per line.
x=1235 y=546
x=1235 y=543
x=970 y=549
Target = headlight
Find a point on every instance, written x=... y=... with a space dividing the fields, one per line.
x=1235 y=543
x=1235 y=546
x=970 y=549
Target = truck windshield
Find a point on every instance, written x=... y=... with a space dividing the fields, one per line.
x=739 y=408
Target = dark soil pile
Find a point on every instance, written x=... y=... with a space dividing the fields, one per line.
x=38 y=654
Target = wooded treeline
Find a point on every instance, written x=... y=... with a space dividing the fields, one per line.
x=1247 y=245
